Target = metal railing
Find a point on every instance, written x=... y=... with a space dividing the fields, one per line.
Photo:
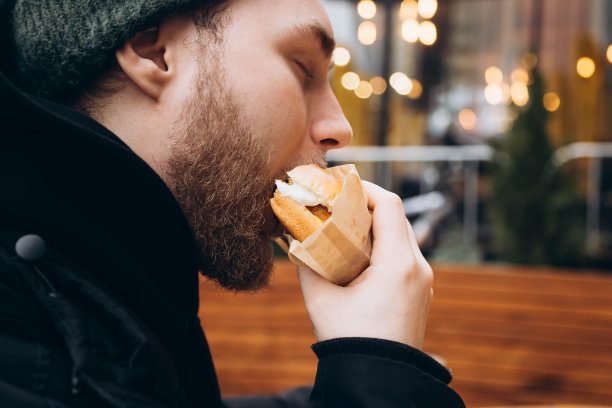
x=469 y=157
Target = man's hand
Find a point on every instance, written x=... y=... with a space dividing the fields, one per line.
x=391 y=298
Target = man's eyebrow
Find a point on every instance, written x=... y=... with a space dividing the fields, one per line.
x=328 y=44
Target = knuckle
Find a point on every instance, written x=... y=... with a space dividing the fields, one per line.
x=426 y=270
x=427 y=274
x=417 y=272
x=408 y=263
x=411 y=269
x=406 y=269
x=395 y=200
x=428 y=281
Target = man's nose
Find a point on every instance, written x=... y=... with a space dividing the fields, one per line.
x=330 y=129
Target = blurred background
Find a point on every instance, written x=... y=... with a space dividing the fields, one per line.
x=495 y=113
x=491 y=119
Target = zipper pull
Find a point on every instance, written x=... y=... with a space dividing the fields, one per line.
x=32 y=248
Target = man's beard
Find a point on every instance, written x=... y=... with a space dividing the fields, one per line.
x=220 y=175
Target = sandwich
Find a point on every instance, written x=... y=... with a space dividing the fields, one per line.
x=326 y=218
x=304 y=203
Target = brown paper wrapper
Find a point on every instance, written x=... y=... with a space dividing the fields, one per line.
x=340 y=249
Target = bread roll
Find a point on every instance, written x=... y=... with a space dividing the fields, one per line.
x=303 y=204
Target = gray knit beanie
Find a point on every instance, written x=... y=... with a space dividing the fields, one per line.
x=60 y=45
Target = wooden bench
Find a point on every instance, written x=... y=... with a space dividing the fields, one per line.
x=510 y=335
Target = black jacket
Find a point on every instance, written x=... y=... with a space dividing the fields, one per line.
x=106 y=316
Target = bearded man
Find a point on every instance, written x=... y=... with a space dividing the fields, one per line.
x=140 y=141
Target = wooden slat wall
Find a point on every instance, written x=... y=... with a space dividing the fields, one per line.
x=524 y=335
x=510 y=335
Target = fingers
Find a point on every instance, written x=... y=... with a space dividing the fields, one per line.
x=414 y=243
x=390 y=230
x=397 y=285
x=394 y=239
x=376 y=194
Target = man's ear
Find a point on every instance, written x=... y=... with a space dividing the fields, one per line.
x=143 y=59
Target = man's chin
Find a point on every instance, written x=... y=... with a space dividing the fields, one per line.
x=245 y=271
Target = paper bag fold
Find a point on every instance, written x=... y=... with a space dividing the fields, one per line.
x=340 y=249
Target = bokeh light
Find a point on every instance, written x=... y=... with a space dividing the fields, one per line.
x=363 y=90
x=494 y=94
x=401 y=83
x=350 y=80
x=341 y=56
x=609 y=53
x=551 y=101
x=417 y=89
x=408 y=10
x=520 y=74
x=519 y=93
x=366 y=9
x=467 y=119
x=366 y=33
x=585 y=67
x=427 y=8
x=379 y=85
x=494 y=75
x=411 y=30
x=439 y=121
x=428 y=33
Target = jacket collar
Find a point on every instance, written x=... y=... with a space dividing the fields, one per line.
x=72 y=181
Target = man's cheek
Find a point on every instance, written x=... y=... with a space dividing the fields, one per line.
x=286 y=149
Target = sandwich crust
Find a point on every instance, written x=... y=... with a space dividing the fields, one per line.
x=318 y=180
x=295 y=217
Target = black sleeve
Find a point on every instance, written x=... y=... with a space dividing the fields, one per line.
x=364 y=372
x=361 y=372
x=296 y=398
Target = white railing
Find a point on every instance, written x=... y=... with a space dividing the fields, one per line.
x=469 y=156
x=580 y=150
x=411 y=153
